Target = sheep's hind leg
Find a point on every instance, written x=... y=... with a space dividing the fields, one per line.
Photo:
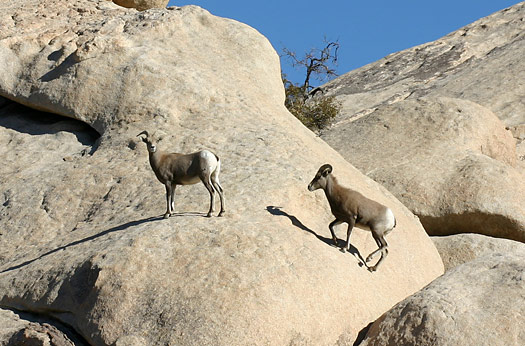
x=211 y=190
x=218 y=188
x=383 y=249
x=375 y=252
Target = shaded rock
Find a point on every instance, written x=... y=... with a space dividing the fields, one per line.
x=477 y=303
x=10 y=324
x=39 y=335
x=450 y=161
x=461 y=248
x=142 y=5
x=15 y=331
x=82 y=238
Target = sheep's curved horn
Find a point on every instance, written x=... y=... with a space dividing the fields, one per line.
x=143 y=133
x=325 y=168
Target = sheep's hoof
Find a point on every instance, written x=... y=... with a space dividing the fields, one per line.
x=167 y=215
x=221 y=213
x=372 y=269
x=209 y=215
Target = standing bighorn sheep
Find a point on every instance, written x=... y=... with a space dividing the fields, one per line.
x=174 y=169
x=355 y=209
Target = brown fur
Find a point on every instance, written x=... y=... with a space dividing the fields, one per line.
x=355 y=209
x=173 y=169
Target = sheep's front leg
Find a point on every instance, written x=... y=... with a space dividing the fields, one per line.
x=351 y=224
x=172 y=204
x=331 y=227
x=168 y=200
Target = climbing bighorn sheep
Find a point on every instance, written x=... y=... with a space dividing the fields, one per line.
x=174 y=169
x=355 y=209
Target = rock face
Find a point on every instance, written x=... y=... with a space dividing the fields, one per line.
x=80 y=210
x=461 y=248
x=142 y=5
x=480 y=62
x=106 y=70
x=424 y=123
x=477 y=303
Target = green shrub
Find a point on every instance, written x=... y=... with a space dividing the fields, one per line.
x=314 y=112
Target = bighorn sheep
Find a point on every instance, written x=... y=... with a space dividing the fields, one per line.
x=355 y=209
x=174 y=169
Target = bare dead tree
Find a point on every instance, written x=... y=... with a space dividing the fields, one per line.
x=317 y=62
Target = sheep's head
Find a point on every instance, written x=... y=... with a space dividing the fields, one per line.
x=319 y=181
x=149 y=143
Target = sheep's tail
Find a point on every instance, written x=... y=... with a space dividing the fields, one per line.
x=215 y=174
x=218 y=169
x=394 y=221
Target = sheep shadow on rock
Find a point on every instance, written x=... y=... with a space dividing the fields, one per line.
x=118 y=228
x=277 y=211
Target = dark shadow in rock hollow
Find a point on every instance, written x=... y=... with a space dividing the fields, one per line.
x=362 y=334
x=40 y=320
x=23 y=119
x=93 y=237
x=329 y=241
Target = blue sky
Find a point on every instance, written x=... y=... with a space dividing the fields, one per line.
x=367 y=30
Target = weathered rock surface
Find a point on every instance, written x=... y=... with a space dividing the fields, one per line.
x=124 y=65
x=480 y=62
x=142 y=5
x=81 y=235
x=450 y=161
x=461 y=248
x=477 y=303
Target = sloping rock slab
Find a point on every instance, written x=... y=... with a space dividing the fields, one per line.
x=481 y=302
x=480 y=62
